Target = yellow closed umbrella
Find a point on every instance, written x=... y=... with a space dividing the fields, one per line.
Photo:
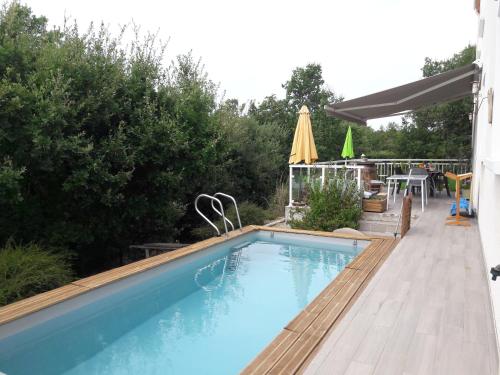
x=303 y=148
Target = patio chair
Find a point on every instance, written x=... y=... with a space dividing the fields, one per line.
x=439 y=182
x=414 y=185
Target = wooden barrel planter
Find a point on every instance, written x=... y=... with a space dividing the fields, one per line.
x=377 y=203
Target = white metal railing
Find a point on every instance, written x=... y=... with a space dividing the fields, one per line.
x=221 y=212
x=230 y=197
x=303 y=174
x=386 y=167
x=225 y=220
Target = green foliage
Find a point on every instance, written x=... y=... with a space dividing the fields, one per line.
x=26 y=270
x=250 y=214
x=104 y=147
x=10 y=184
x=253 y=155
x=444 y=130
x=307 y=87
x=278 y=200
x=336 y=205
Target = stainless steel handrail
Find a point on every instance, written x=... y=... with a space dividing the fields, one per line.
x=221 y=212
x=235 y=206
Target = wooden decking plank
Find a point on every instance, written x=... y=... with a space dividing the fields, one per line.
x=27 y=306
x=300 y=323
x=33 y=304
x=331 y=290
x=312 y=325
x=309 y=314
x=388 y=247
x=291 y=361
x=338 y=306
x=152 y=262
x=360 y=260
x=268 y=357
x=294 y=356
x=317 y=233
x=292 y=347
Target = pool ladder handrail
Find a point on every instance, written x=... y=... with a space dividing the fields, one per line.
x=235 y=206
x=221 y=212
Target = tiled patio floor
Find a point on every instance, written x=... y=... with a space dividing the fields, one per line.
x=426 y=311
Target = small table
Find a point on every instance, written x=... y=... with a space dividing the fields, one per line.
x=405 y=177
x=157 y=247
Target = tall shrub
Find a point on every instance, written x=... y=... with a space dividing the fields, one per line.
x=101 y=146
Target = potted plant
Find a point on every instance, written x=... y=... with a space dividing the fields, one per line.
x=376 y=203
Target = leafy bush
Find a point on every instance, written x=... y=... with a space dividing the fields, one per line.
x=250 y=214
x=255 y=154
x=26 y=270
x=336 y=205
x=101 y=146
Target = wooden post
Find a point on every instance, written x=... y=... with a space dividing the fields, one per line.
x=406 y=214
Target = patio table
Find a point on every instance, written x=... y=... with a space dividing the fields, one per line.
x=404 y=177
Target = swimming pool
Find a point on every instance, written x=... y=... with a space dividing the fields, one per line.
x=210 y=312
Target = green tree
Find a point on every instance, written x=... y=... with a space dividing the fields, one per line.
x=307 y=87
x=100 y=147
x=444 y=130
x=253 y=155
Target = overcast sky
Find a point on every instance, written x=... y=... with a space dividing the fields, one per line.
x=251 y=47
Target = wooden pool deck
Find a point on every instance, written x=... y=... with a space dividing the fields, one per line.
x=427 y=310
x=41 y=301
x=420 y=306
x=291 y=349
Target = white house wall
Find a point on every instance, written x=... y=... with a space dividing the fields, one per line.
x=486 y=189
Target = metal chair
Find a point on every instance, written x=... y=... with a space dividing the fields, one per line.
x=413 y=185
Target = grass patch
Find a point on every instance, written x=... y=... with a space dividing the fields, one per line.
x=26 y=270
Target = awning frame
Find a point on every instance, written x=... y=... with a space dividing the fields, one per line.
x=347 y=112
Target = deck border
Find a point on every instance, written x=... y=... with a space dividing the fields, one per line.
x=22 y=308
x=288 y=352
x=296 y=344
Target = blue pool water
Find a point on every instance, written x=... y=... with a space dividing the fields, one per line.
x=210 y=313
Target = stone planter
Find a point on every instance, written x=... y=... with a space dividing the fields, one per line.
x=295 y=212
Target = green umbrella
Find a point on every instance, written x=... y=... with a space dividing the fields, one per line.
x=348 y=150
